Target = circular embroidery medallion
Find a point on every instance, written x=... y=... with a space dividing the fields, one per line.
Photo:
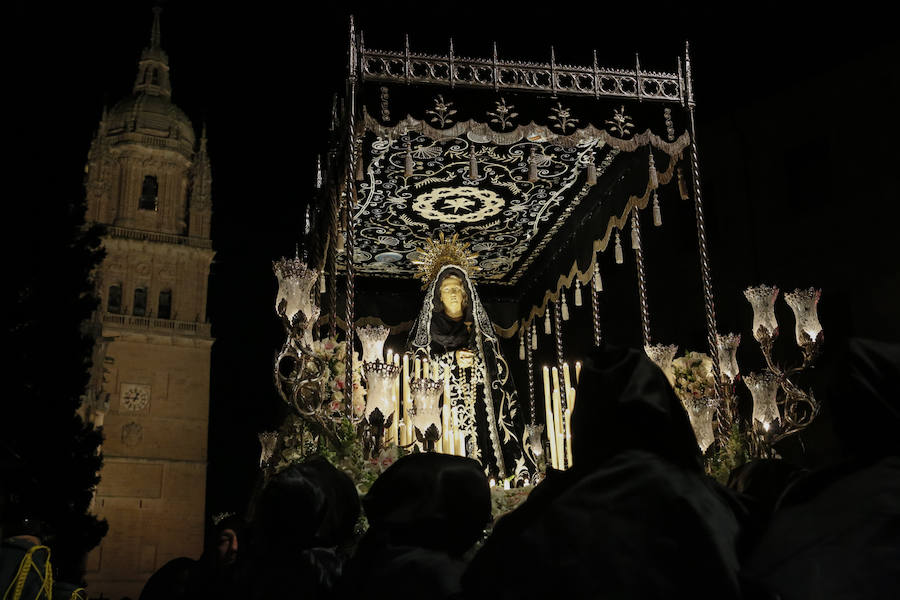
x=458 y=204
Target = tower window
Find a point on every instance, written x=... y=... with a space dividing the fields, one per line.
x=140 y=302
x=149 y=193
x=114 y=299
x=165 y=305
x=154 y=78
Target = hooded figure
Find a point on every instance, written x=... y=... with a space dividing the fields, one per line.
x=836 y=531
x=425 y=511
x=302 y=522
x=454 y=331
x=634 y=518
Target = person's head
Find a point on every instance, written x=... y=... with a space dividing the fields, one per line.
x=226 y=546
x=309 y=504
x=430 y=500
x=624 y=403
x=454 y=299
x=225 y=538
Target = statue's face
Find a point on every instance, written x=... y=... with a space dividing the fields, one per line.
x=453 y=296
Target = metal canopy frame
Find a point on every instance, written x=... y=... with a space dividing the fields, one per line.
x=338 y=187
x=493 y=73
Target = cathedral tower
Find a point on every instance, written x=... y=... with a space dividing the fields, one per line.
x=148 y=179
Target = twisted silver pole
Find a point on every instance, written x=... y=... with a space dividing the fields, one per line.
x=595 y=311
x=557 y=318
x=331 y=264
x=705 y=272
x=642 y=281
x=529 y=357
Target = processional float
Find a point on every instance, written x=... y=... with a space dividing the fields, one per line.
x=523 y=179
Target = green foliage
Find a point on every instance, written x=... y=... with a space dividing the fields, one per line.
x=50 y=456
x=726 y=457
x=298 y=440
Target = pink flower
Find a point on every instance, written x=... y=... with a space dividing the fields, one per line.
x=340 y=385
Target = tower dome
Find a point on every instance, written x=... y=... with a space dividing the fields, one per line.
x=148 y=116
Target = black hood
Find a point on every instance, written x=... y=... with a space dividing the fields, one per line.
x=625 y=402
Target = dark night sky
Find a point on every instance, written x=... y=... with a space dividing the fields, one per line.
x=775 y=87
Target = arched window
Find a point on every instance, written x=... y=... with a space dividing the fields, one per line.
x=149 y=193
x=114 y=299
x=165 y=305
x=140 y=302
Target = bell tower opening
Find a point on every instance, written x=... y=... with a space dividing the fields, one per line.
x=149 y=193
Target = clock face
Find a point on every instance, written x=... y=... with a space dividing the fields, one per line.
x=135 y=396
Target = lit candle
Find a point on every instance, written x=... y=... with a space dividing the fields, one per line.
x=390 y=355
x=577 y=372
x=558 y=418
x=418 y=368
x=506 y=484
x=567 y=380
x=395 y=429
x=424 y=368
x=448 y=421
x=548 y=410
x=569 y=435
x=404 y=437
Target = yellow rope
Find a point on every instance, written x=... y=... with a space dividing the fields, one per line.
x=17 y=586
x=78 y=594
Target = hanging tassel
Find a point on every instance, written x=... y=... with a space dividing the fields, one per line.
x=522 y=345
x=473 y=163
x=532 y=167
x=565 y=307
x=360 y=173
x=682 y=185
x=635 y=234
x=322 y=282
x=534 y=336
x=408 y=163
x=654 y=176
x=619 y=258
x=598 y=282
x=547 y=329
x=592 y=171
x=657 y=215
x=577 y=292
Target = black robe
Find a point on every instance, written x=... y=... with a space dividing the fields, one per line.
x=634 y=518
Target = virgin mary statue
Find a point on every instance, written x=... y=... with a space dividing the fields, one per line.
x=454 y=331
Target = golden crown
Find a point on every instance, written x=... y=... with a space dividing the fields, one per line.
x=442 y=252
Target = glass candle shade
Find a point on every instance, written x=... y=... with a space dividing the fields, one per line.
x=762 y=299
x=764 y=389
x=380 y=380
x=426 y=395
x=700 y=412
x=803 y=303
x=663 y=356
x=295 y=281
x=727 y=348
x=372 y=338
x=534 y=434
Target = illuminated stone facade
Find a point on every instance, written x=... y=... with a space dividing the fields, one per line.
x=149 y=181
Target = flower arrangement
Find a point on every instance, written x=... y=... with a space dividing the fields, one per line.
x=504 y=500
x=695 y=387
x=297 y=440
x=693 y=376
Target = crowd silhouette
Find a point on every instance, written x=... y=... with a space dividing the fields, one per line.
x=636 y=517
